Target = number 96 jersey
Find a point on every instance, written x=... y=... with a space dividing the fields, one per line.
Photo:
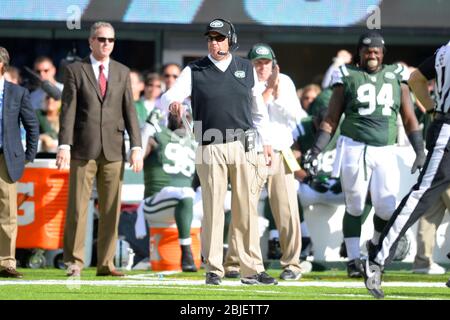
x=170 y=163
x=371 y=102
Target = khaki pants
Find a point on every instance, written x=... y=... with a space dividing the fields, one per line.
x=284 y=205
x=8 y=218
x=214 y=164
x=109 y=183
x=426 y=233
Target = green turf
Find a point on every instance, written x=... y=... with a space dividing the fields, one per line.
x=69 y=291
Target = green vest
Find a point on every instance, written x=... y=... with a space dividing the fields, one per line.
x=371 y=103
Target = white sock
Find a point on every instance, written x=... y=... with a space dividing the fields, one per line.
x=274 y=234
x=352 y=245
x=305 y=231
x=376 y=237
x=185 y=242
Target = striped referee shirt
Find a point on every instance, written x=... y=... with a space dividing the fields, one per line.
x=438 y=67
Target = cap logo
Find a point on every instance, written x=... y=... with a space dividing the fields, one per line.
x=366 y=41
x=262 y=51
x=216 y=24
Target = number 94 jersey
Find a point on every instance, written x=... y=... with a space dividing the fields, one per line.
x=171 y=162
x=371 y=102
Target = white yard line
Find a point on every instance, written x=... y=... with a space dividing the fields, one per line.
x=158 y=281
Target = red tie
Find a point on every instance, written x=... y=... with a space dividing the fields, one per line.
x=102 y=81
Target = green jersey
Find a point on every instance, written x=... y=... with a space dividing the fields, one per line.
x=304 y=134
x=171 y=162
x=371 y=103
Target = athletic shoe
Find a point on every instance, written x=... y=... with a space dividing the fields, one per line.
x=306 y=266
x=274 y=249
x=371 y=272
x=290 y=275
x=212 y=278
x=187 y=261
x=448 y=283
x=306 y=248
x=343 y=250
x=353 y=271
x=260 y=278
x=232 y=274
x=434 y=268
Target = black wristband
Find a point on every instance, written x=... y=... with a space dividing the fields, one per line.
x=322 y=139
x=416 y=140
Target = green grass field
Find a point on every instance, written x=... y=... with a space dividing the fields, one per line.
x=43 y=284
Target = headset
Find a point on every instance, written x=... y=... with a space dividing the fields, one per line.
x=274 y=58
x=232 y=36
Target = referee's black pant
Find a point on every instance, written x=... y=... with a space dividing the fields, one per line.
x=433 y=180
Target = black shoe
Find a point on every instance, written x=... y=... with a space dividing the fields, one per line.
x=260 y=278
x=353 y=271
x=307 y=250
x=371 y=272
x=187 y=261
x=10 y=273
x=343 y=250
x=233 y=274
x=212 y=278
x=448 y=283
x=290 y=275
x=274 y=249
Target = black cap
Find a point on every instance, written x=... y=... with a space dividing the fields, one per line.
x=220 y=26
x=371 y=39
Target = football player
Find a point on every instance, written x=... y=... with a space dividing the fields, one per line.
x=371 y=95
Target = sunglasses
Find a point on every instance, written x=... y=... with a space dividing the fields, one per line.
x=171 y=76
x=153 y=85
x=103 y=39
x=42 y=70
x=219 y=38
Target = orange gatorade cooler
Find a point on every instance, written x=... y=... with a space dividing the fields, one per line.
x=165 y=251
x=42 y=199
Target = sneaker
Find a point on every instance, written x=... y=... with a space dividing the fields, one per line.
x=371 y=272
x=274 y=249
x=290 y=275
x=353 y=271
x=232 y=274
x=434 y=268
x=187 y=261
x=212 y=278
x=73 y=271
x=343 y=250
x=260 y=278
x=307 y=250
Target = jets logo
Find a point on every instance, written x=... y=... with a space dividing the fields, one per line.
x=216 y=24
x=389 y=75
x=239 y=74
x=262 y=51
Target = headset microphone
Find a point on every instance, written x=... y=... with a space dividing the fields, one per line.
x=222 y=53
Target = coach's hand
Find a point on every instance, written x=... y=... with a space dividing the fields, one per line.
x=63 y=159
x=176 y=108
x=136 y=162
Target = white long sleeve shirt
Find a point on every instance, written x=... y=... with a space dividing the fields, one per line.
x=284 y=112
x=183 y=88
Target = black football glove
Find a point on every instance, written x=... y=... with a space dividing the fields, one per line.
x=311 y=164
x=416 y=140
